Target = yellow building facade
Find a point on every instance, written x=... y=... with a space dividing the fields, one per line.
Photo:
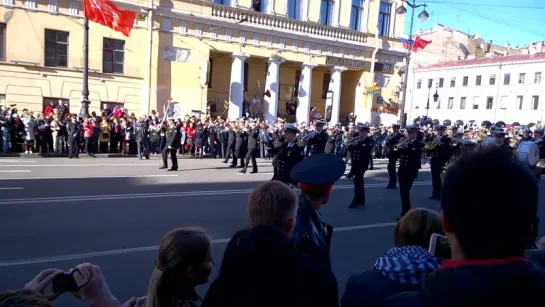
x=208 y=57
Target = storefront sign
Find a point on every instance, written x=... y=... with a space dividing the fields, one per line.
x=388 y=109
x=174 y=54
x=365 y=65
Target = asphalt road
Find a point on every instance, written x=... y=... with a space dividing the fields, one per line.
x=112 y=212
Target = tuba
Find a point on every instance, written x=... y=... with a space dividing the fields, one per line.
x=430 y=146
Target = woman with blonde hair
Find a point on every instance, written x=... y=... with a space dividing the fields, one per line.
x=184 y=262
x=404 y=266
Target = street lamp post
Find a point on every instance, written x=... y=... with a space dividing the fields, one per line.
x=423 y=16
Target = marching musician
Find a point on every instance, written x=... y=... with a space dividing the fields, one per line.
x=318 y=141
x=278 y=139
x=253 y=135
x=361 y=148
x=457 y=148
x=316 y=176
x=409 y=164
x=501 y=141
x=240 y=145
x=440 y=155
x=527 y=135
x=392 y=155
x=172 y=143
x=349 y=136
x=287 y=155
x=231 y=137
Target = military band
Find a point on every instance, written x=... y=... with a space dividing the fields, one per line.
x=410 y=153
x=360 y=147
x=440 y=150
x=392 y=155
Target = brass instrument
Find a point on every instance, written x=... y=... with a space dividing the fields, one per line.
x=352 y=140
x=540 y=163
x=306 y=137
x=388 y=139
x=402 y=144
x=430 y=146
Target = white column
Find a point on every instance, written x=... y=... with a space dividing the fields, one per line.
x=305 y=93
x=271 y=84
x=335 y=87
x=236 y=91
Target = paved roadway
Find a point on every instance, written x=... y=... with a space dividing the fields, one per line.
x=56 y=212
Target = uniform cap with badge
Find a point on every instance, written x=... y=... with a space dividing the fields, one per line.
x=318 y=172
x=289 y=128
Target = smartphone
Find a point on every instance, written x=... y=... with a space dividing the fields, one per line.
x=439 y=246
x=65 y=282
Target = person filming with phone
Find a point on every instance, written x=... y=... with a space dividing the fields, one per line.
x=488 y=233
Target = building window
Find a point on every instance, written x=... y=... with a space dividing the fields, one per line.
x=519 y=102
x=325 y=85
x=418 y=84
x=462 y=103
x=55 y=101
x=2 y=41
x=113 y=56
x=326 y=12
x=452 y=81
x=450 y=102
x=56 y=48
x=465 y=81
x=522 y=76
x=30 y=4
x=535 y=102
x=246 y=66
x=9 y=2
x=165 y=25
x=441 y=82
x=478 y=80
x=475 y=103
x=492 y=80
x=506 y=79
x=356 y=14
x=537 y=78
x=503 y=102
x=384 y=16
x=73 y=9
x=210 y=74
x=489 y=103
x=430 y=83
x=294 y=9
x=52 y=6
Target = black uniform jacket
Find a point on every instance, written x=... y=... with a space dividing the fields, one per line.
x=442 y=152
x=361 y=153
x=287 y=156
x=253 y=136
x=317 y=142
x=173 y=137
x=411 y=156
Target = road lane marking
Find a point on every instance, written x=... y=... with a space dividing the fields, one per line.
x=15 y=161
x=79 y=165
x=15 y=171
x=160 y=195
x=88 y=177
x=125 y=251
x=13 y=188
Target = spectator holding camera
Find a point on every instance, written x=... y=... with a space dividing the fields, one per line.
x=488 y=234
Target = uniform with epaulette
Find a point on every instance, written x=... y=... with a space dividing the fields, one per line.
x=440 y=156
x=253 y=136
x=286 y=157
x=361 y=149
x=409 y=165
x=317 y=142
x=316 y=175
x=172 y=143
x=392 y=155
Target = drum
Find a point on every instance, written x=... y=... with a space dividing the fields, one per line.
x=528 y=152
x=489 y=140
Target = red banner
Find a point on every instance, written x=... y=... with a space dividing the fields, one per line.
x=107 y=14
x=386 y=109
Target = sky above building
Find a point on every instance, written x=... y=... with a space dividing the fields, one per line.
x=502 y=21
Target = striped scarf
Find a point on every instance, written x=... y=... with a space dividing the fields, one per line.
x=407 y=265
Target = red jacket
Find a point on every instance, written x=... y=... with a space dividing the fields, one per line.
x=49 y=110
x=88 y=129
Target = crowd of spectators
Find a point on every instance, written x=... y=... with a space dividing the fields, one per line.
x=489 y=235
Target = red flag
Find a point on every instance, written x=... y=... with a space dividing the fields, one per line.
x=107 y=14
x=419 y=43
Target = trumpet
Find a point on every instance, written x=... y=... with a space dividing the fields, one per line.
x=352 y=140
x=400 y=145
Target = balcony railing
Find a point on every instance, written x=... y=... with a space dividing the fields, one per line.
x=286 y=24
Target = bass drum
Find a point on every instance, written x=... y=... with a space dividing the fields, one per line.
x=528 y=152
x=489 y=140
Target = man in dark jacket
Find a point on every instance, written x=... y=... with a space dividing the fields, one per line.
x=230 y=144
x=73 y=129
x=261 y=268
x=253 y=136
x=172 y=144
x=142 y=139
x=488 y=235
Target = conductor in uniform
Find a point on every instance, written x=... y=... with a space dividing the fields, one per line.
x=316 y=176
x=317 y=142
x=289 y=154
x=392 y=155
x=253 y=136
x=440 y=155
x=409 y=164
x=361 y=149
x=172 y=144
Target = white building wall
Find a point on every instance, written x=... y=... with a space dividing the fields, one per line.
x=508 y=112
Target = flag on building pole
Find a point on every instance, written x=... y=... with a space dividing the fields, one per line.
x=107 y=14
x=419 y=43
x=407 y=43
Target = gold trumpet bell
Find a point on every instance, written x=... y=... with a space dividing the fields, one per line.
x=541 y=163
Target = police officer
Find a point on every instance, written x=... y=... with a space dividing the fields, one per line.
x=361 y=149
x=253 y=136
x=142 y=139
x=287 y=155
x=440 y=155
x=317 y=142
x=409 y=164
x=172 y=144
x=316 y=176
x=393 y=156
